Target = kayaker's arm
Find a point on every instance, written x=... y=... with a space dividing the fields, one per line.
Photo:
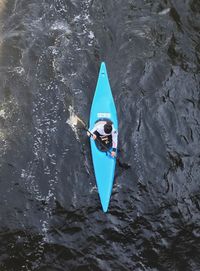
x=94 y=129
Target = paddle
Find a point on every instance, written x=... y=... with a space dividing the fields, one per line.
x=84 y=126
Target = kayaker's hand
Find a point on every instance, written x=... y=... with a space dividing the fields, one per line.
x=113 y=153
x=93 y=135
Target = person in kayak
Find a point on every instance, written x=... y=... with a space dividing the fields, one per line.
x=105 y=132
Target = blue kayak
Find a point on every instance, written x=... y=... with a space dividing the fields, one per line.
x=103 y=107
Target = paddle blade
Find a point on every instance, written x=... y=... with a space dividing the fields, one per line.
x=81 y=124
x=122 y=164
x=74 y=121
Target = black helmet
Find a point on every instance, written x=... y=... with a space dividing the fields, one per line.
x=108 y=128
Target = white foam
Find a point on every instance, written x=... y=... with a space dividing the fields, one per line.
x=77 y=18
x=61 y=26
x=19 y=70
x=91 y=35
x=93 y=189
x=164 y=12
x=3 y=114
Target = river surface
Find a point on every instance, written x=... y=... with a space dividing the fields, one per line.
x=50 y=214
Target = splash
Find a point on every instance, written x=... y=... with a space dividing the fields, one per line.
x=2 y=113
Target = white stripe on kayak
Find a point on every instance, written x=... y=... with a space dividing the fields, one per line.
x=103 y=115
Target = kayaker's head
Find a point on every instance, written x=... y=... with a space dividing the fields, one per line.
x=108 y=128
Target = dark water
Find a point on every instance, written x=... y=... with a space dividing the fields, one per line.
x=50 y=213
